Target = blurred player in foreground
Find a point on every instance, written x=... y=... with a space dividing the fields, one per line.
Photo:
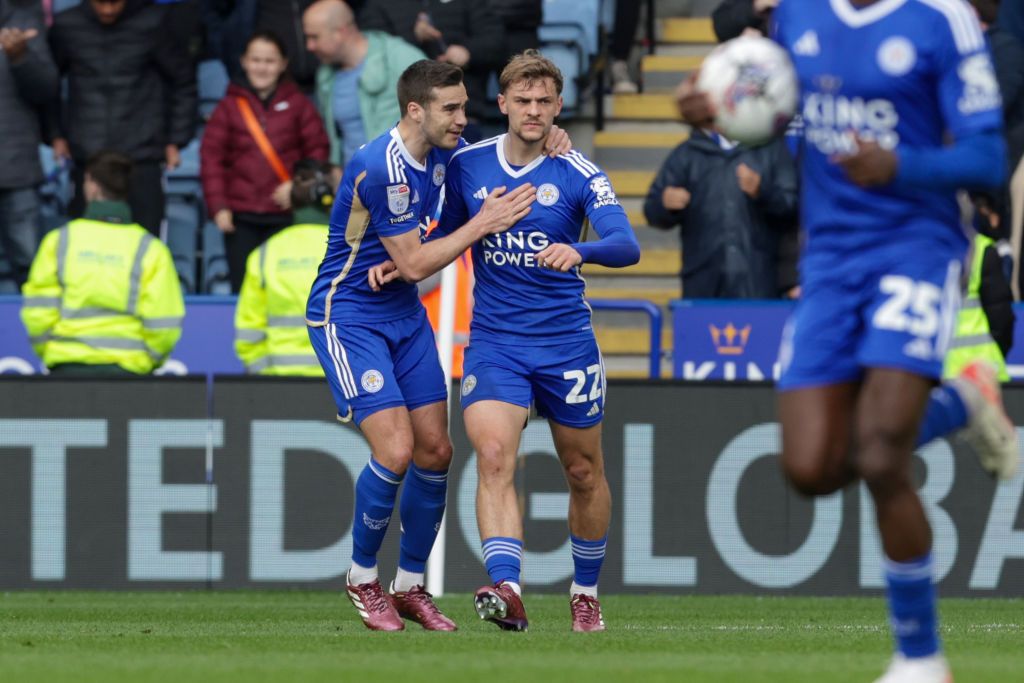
x=881 y=272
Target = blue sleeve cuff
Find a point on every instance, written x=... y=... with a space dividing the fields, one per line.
x=972 y=162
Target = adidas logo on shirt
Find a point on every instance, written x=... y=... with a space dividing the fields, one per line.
x=807 y=45
x=481 y=194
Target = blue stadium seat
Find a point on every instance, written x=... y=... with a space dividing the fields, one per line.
x=61 y=5
x=215 y=261
x=570 y=36
x=185 y=214
x=212 y=82
x=574 y=20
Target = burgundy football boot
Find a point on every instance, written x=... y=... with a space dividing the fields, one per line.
x=501 y=605
x=586 y=613
x=374 y=607
x=418 y=605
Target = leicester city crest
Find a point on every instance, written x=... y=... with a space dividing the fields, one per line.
x=468 y=385
x=438 y=176
x=398 y=198
x=372 y=381
x=547 y=194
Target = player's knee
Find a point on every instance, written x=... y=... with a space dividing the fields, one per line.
x=582 y=475
x=493 y=461
x=808 y=475
x=882 y=454
x=436 y=455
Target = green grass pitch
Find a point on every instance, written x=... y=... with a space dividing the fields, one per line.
x=310 y=637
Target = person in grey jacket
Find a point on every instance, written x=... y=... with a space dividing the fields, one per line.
x=733 y=203
x=28 y=80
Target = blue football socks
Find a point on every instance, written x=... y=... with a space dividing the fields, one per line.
x=375 y=501
x=421 y=510
x=945 y=414
x=912 y=606
x=503 y=557
x=587 y=558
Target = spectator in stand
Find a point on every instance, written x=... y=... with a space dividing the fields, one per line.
x=259 y=130
x=733 y=17
x=367 y=63
x=732 y=202
x=466 y=33
x=230 y=22
x=103 y=296
x=627 y=17
x=28 y=80
x=521 y=19
x=131 y=88
x=270 y=327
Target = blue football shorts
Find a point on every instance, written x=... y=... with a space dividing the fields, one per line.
x=566 y=382
x=901 y=315
x=379 y=365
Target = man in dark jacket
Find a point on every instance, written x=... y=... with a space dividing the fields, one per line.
x=131 y=89
x=466 y=33
x=732 y=17
x=28 y=79
x=732 y=203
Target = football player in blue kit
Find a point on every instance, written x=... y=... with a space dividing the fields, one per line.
x=377 y=348
x=884 y=84
x=531 y=337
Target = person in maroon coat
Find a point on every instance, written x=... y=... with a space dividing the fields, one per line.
x=245 y=178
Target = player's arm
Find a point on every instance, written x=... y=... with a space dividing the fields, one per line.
x=416 y=260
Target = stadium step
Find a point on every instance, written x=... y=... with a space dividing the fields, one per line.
x=659 y=296
x=633 y=340
x=653 y=262
x=687 y=30
x=635 y=148
x=665 y=72
x=631 y=183
x=644 y=107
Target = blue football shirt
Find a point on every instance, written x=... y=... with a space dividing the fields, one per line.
x=515 y=301
x=905 y=73
x=384 y=192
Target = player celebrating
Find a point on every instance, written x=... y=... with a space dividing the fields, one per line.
x=531 y=338
x=881 y=270
x=377 y=349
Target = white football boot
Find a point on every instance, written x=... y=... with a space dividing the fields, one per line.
x=989 y=431
x=933 y=669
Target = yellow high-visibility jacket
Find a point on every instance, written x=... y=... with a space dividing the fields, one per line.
x=103 y=293
x=973 y=337
x=270 y=321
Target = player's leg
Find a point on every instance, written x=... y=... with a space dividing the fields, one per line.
x=376 y=405
x=889 y=411
x=421 y=380
x=907 y=321
x=569 y=388
x=590 y=510
x=972 y=402
x=817 y=436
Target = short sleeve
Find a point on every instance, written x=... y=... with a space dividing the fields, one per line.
x=389 y=205
x=968 y=90
x=454 y=212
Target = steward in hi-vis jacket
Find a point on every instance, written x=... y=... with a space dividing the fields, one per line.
x=270 y=321
x=103 y=295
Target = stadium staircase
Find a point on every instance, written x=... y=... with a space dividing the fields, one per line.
x=640 y=132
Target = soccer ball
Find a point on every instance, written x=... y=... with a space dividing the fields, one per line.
x=753 y=87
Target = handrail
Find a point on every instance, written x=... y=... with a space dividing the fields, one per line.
x=655 y=319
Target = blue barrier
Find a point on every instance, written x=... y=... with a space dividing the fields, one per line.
x=654 y=321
